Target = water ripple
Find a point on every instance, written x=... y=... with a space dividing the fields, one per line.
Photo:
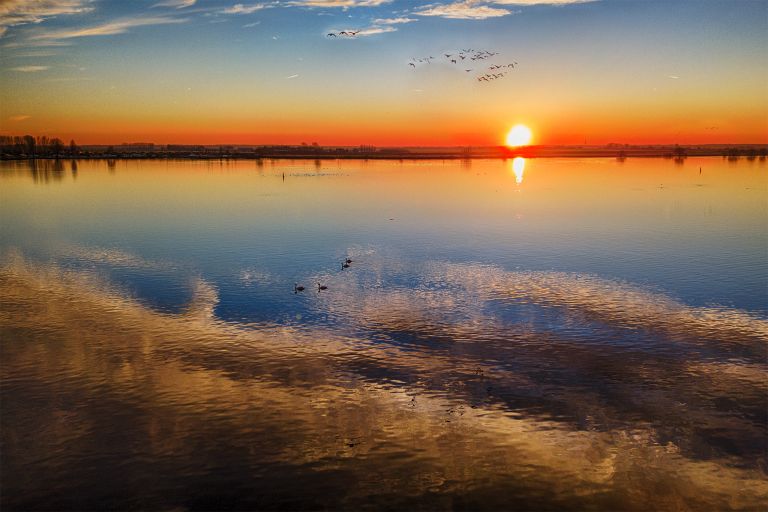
x=474 y=386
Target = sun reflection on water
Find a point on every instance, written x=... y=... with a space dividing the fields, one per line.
x=517 y=166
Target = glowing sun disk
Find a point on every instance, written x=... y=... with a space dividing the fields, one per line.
x=519 y=135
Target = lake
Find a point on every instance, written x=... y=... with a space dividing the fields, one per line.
x=546 y=334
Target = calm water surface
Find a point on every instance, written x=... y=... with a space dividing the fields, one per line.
x=541 y=334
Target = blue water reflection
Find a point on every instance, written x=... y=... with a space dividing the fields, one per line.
x=552 y=333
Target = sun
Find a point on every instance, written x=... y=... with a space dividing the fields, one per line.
x=519 y=135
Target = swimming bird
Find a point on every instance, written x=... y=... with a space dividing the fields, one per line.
x=348 y=260
x=297 y=288
x=344 y=265
x=321 y=287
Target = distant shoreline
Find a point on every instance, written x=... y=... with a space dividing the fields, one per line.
x=229 y=152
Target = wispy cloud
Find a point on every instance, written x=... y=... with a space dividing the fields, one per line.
x=243 y=9
x=292 y=76
x=177 y=4
x=378 y=26
x=393 y=21
x=70 y=79
x=540 y=2
x=106 y=29
x=376 y=30
x=250 y=25
x=22 y=12
x=36 y=54
x=368 y=31
x=36 y=44
x=16 y=119
x=464 y=10
x=338 y=3
x=30 y=69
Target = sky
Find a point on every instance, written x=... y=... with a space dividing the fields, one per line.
x=268 y=72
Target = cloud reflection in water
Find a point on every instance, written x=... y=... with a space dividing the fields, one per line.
x=459 y=389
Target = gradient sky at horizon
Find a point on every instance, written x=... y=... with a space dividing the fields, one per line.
x=210 y=71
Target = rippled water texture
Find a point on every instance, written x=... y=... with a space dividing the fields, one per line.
x=541 y=335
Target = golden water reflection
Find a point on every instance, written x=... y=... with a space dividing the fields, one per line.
x=172 y=410
x=518 y=168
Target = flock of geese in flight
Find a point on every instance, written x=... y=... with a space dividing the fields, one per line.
x=457 y=57
x=320 y=287
x=345 y=33
x=461 y=56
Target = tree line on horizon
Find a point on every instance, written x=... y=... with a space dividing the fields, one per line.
x=42 y=146
x=39 y=146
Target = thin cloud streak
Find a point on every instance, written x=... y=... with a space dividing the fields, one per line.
x=368 y=31
x=16 y=119
x=393 y=21
x=30 y=69
x=338 y=3
x=243 y=9
x=70 y=79
x=114 y=27
x=22 y=12
x=523 y=3
x=35 y=54
x=484 y=9
x=463 y=10
x=176 y=4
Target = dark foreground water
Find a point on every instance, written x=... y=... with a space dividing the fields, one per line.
x=523 y=335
